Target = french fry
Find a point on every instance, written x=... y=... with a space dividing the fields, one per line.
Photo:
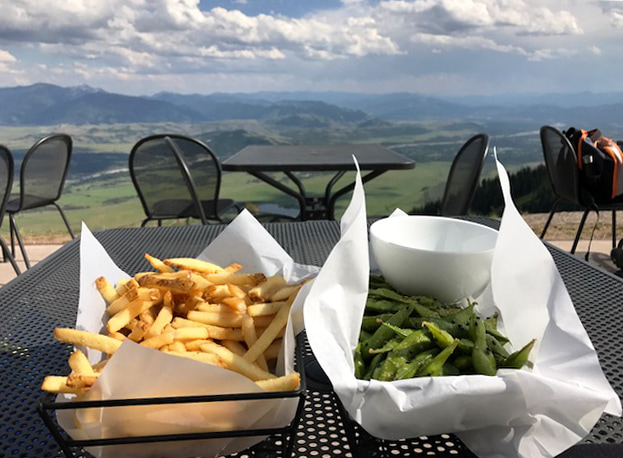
x=285 y=293
x=80 y=380
x=264 y=308
x=193 y=264
x=194 y=345
x=132 y=295
x=158 y=264
x=236 y=279
x=288 y=382
x=234 y=346
x=250 y=337
x=200 y=283
x=122 y=301
x=164 y=317
x=265 y=289
x=233 y=268
x=186 y=303
x=123 y=317
x=225 y=319
x=236 y=363
x=203 y=357
x=117 y=335
x=216 y=332
x=179 y=322
x=214 y=308
x=108 y=292
x=137 y=330
x=221 y=333
x=99 y=342
x=58 y=384
x=166 y=338
x=142 y=324
x=217 y=291
x=237 y=304
x=191 y=333
x=125 y=284
x=176 y=282
x=168 y=300
x=79 y=363
x=270 y=334
x=224 y=290
x=177 y=347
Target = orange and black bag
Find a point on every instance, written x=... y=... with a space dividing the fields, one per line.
x=600 y=161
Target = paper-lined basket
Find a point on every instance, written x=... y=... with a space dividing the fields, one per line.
x=517 y=413
x=135 y=372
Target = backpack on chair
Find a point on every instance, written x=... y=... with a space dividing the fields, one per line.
x=600 y=161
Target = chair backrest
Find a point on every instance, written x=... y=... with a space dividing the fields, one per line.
x=44 y=170
x=464 y=175
x=204 y=166
x=6 y=178
x=172 y=173
x=562 y=164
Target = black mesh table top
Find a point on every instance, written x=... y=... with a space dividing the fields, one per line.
x=46 y=296
x=315 y=158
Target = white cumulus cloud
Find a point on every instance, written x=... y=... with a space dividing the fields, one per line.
x=172 y=41
x=6 y=56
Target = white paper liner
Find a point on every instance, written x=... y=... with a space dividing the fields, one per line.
x=138 y=372
x=517 y=413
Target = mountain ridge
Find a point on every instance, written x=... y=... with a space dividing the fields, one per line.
x=48 y=104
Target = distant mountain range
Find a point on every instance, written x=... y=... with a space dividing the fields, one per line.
x=46 y=104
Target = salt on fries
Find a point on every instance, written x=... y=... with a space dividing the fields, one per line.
x=192 y=309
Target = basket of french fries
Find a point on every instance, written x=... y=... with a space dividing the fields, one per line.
x=537 y=397
x=186 y=358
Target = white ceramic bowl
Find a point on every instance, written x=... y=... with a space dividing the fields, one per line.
x=447 y=258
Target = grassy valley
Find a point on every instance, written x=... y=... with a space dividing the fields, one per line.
x=100 y=193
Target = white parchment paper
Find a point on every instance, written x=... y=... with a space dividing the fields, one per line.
x=138 y=372
x=517 y=413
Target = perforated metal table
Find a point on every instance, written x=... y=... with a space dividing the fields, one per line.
x=47 y=296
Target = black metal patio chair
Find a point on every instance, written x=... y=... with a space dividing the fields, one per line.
x=177 y=177
x=6 y=182
x=42 y=178
x=562 y=168
x=463 y=177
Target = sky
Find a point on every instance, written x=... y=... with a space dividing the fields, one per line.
x=433 y=47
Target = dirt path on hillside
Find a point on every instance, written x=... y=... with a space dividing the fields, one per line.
x=565 y=224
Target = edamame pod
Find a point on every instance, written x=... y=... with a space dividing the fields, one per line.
x=517 y=359
x=434 y=367
x=402 y=332
x=373 y=365
x=443 y=338
x=383 y=334
x=409 y=370
x=360 y=365
x=482 y=357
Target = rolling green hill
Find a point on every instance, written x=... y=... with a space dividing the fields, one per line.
x=99 y=191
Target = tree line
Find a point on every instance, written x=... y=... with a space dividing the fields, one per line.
x=530 y=188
